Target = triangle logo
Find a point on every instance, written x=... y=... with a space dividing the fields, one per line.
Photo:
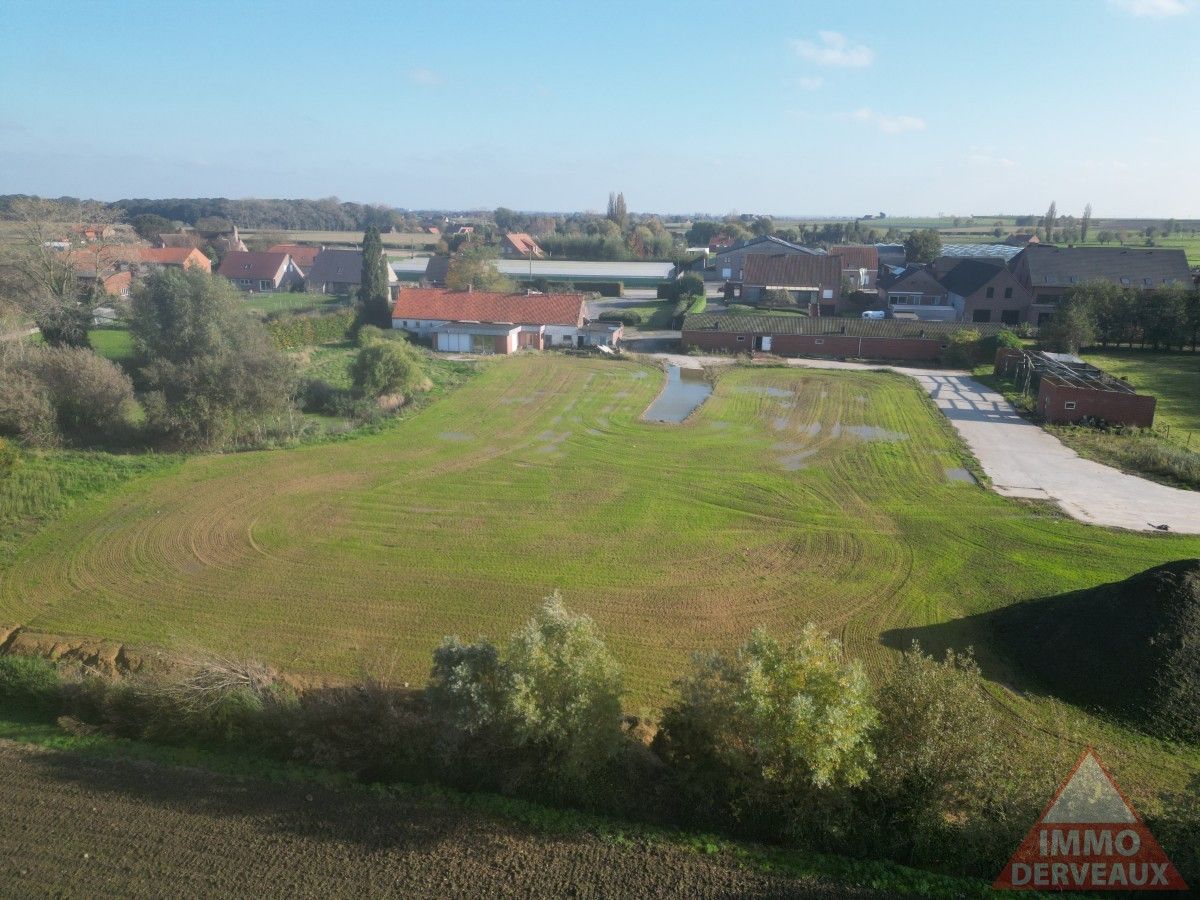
x=1089 y=838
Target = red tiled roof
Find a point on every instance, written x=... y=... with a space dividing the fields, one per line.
x=249 y=264
x=857 y=256
x=302 y=254
x=523 y=243
x=439 y=304
x=175 y=256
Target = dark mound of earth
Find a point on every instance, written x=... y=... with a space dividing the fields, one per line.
x=1131 y=648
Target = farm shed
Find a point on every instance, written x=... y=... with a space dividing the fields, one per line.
x=797 y=335
x=580 y=273
x=1069 y=389
x=475 y=337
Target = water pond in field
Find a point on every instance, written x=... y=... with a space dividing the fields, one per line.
x=686 y=389
x=874 y=433
x=960 y=475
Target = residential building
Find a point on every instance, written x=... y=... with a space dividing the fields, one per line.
x=914 y=290
x=339 y=271
x=518 y=245
x=1048 y=272
x=492 y=322
x=221 y=241
x=302 y=255
x=808 y=336
x=260 y=272
x=812 y=283
x=860 y=264
x=984 y=291
x=891 y=255
x=728 y=263
x=174 y=257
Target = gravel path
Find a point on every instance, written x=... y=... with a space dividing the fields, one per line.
x=77 y=826
x=1024 y=460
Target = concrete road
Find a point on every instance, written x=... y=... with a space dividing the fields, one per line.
x=1024 y=460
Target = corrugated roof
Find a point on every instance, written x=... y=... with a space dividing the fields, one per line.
x=440 y=304
x=1004 y=251
x=797 y=324
x=792 y=270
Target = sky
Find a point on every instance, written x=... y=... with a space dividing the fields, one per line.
x=786 y=108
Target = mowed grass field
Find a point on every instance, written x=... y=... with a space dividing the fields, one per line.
x=395 y=239
x=1174 y=378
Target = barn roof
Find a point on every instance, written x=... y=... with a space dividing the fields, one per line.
x=439 y=304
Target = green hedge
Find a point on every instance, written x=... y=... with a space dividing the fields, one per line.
x=293 y=332
x=698 y=305
x=625 y=318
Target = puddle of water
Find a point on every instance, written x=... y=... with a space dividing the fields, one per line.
x=813 y=429
x=836 y=430
x=874 y=433
x=766 y=391
x=602 y=421
x=686 y=389
x=779 y=423
x=795 y=461
x=960 y=475
x=456 y=436
x=640 y=373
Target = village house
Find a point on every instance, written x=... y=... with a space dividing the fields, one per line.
x=174 y=257
x=986 y=291
x=915 y=292
x=518 y=245
x=860 y=264
x=221 y=241
x=491 y=322
x=302 y=254
x=1048 y=272
x=337 y=270
x=794 y=280
x=260 y=272
x=728 y=263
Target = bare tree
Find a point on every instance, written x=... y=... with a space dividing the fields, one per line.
x=55 y=271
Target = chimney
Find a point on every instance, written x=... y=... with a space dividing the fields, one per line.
x=470 y=286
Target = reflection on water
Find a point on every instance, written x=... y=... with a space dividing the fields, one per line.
x=686 y=389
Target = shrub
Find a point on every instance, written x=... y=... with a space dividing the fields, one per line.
x=29 y=684
x=369 y=334
x=603 y=288
x=386 y=367
x=686 y=285
x=771 y=734
x=292 y=331
x=962 y=349
x=625 y=318
x=25 y=410
x=90 y=395
x=697 y=305
x=10 y=457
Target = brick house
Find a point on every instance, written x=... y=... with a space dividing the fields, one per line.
x=302 y=254
x=260 y=272
x=727 y=263
x=812 y=283
x=174 y=257
x=1048 y=272
x=493 y=322
x=1068 y=389
x=860 y=264
x=336 y=270
x=985 y=291
x=518 y=245
x=917 y=292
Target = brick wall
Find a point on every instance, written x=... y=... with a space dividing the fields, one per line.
x=818 y=345
x=1111 y=406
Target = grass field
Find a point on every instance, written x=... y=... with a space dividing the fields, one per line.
x=295 y=302
x=394 y=239
x=1174 y=378
x=764 y=508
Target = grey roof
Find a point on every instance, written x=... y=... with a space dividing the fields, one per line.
x=557 y=269
x=1004 y=251
x=891 y=254
x=792 y=270
x=798 y=324
x=773 y=243
x=969 y=275
x=338 y=266
x=1132 y=267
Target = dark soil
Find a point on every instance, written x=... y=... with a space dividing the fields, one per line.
x=80 y=826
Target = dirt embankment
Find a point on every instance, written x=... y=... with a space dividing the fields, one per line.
x=83 y=826
x=106 y=658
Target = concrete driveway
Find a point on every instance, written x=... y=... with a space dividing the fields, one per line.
x=1024 y=460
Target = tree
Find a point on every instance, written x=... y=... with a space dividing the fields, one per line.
x=1085 y=223
x=59 y=289
x=373 y=291
x=150 y=225
x=771 y=733
x=1048 y=221
x=762 y=225
x=475 y=268
x=505 y=218
x=922 y=246
x=212 y=371
x=386 y=367
x=1071 y=328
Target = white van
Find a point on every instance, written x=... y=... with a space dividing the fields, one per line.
x=874 y=314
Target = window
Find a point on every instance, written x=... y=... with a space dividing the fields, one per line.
x=264 y=285
x=741 y=337
x=1008 y=293
x=1010 y=316
x=991 y=292
x=819 y=341
x=1124 y=281
x=1070 y=404
x=981 y=315
x=1148 y=282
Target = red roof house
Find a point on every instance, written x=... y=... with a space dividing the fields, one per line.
x=518 y=245
x=178 y=257
x=301 y=254
x=260 y=271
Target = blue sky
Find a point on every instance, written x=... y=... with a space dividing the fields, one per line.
x=828 y=108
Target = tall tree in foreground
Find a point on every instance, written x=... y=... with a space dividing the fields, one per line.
x=373 y=283
x=1049 y=220
x=922 y=246
x=1085 y=223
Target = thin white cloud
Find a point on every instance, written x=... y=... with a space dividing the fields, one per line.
x=834 y=49
x=810 y=82
x=885 y=122
x=988 y=160
x=1152 y=9
x=425 y=77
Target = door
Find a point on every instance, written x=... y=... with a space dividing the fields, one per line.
x=766 y=343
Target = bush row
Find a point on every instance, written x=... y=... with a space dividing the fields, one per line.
x=687 y=285
x=784 y=741
x=625 y=318
x=290 y=332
